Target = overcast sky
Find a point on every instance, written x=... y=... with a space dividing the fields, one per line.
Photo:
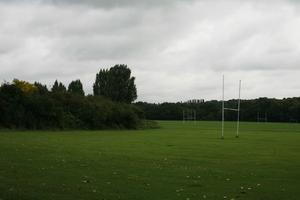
x=177 y=49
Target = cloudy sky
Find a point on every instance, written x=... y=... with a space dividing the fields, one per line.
x=177 y=49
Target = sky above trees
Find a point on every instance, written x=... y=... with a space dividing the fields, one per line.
x=177 y=50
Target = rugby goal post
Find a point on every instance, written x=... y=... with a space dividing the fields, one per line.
x=231 y=109
x=189 y=115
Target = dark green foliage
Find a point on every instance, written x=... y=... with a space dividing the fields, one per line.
x=75 y=87
x=116 y=84
x=32 y=106
x=55 y=87
x=62 y=110
x=275 y=110
x=58 y=87
x=11 y=108
x=42 y=89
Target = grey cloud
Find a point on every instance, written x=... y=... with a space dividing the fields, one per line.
x=103 y=3
x=8 y=45
x=176 y=49
x=119 y=3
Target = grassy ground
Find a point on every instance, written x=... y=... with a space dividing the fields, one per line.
x=179 y=161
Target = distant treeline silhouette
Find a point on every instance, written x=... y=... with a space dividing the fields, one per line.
x=261 y=109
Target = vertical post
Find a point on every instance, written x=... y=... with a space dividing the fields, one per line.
x=222 y=136
x=182 y=116
x=238 y=114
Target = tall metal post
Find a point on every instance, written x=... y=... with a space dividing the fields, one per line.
x=238 y=114
x=222 y=137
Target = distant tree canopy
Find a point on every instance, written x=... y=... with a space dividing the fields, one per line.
x=116 y=84
x=42 y=89
x=261 y=109
x=58 y=87
x=75 y=87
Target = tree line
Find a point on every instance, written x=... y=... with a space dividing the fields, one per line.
x=25 y=105
x=261 y=109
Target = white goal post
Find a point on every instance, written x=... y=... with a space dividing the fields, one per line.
x=189 y=114
x=231 y=109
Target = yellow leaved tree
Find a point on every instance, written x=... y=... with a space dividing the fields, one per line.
x=26 y=87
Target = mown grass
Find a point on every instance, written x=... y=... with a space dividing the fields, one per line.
x=178 y=161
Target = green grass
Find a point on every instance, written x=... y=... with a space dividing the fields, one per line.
x=179 y=161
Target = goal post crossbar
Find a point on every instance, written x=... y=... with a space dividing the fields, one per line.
x=231 y=109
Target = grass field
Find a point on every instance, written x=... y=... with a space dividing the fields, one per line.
x=179 y=161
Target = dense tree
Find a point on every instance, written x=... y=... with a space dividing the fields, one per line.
x=41 y=89
x=62 y=110
x=11 y=98
x=32 y=106
x=58 y=87
x=116 y=84
x=26 y=87
x=75 y=87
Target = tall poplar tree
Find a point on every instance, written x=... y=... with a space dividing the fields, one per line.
x=116 y=84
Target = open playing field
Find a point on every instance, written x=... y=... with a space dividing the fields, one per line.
x=179 y=161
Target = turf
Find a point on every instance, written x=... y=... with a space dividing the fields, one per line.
x=178 y=161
